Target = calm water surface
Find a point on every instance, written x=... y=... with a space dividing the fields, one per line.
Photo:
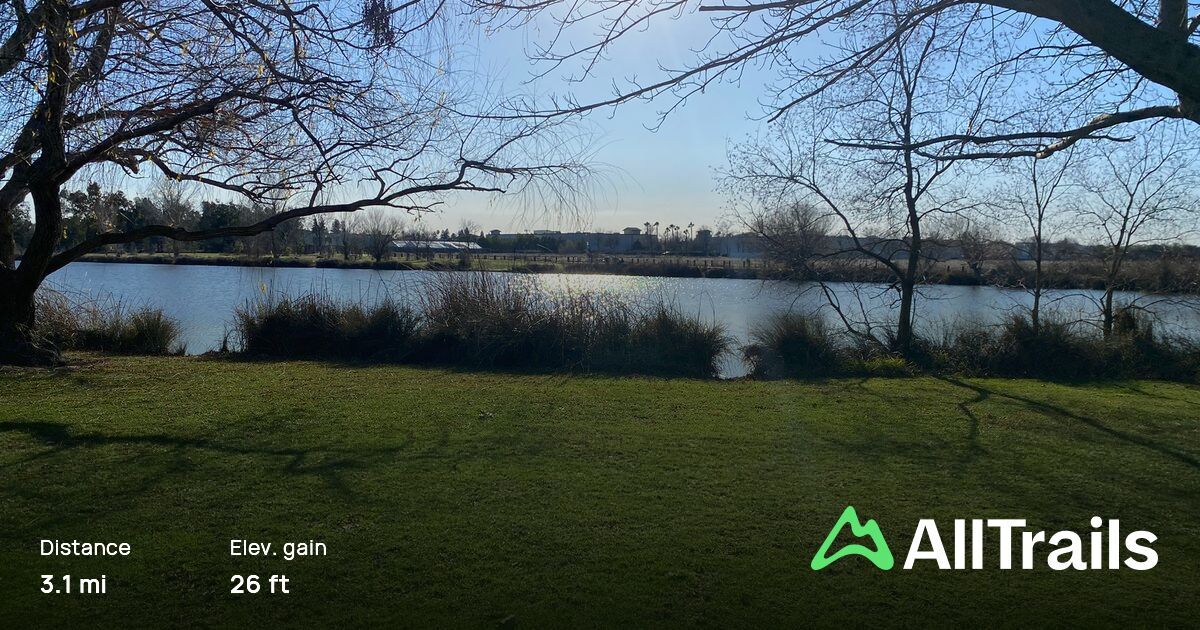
x=203 y=298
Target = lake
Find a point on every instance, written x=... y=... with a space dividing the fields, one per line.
x=203 y=298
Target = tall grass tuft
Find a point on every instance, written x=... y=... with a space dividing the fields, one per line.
x=1058 y=350
x=480 y=321
x=794 y=345
x=661 y=340
x=317 y=327
x=105 y=326
x=58 y=319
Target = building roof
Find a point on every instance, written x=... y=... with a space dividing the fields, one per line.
x=437 y=246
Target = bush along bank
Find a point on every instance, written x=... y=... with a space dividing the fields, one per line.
x=802 y=346
x=476 y=321
x=68 y=324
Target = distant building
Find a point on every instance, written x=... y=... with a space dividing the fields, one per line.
x=436 y=247
x=735 y=245
x=629 y=241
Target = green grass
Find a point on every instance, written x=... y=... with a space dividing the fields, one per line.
x=474 y=499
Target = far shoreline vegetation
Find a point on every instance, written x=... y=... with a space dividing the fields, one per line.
x=789 y=242
x=1176 y=276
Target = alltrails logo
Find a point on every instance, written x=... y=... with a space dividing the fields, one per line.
x=880 y=556
x=1062 y=550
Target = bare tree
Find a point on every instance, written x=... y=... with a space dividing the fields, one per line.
x=357 y=101
x=976 y=240
x=468 y=228
x=795 y=235
x=877 y=199
x=346 y=237
x=1141 y=193
x=1096 y=64
x=171 y=196
x=380 y=229
x=1034 y=196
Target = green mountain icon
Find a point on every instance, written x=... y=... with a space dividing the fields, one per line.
x=880 y=556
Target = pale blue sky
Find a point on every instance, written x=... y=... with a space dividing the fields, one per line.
x=663 y=175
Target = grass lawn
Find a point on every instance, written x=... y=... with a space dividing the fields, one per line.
x=458 y=499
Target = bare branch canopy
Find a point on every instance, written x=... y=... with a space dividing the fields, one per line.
x=329 y=107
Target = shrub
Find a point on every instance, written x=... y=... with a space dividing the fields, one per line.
x=1054 y=350
x=105 y=326
x=1064 y=351
x=662 y=340
x=479 y=321
x=1139 y=352
x=317 y=327
x=482 y=321
x=794 y=345
x=963 y=349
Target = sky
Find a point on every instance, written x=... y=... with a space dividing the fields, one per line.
x=648 y=174
x=651 y=172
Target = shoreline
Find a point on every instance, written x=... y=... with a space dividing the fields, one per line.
x=1073 y=275
x=503 y=263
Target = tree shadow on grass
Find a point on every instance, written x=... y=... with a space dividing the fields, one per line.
x=552 y=373
x=982 y=393
x=860 y=385
x=974 y=448
x=1194 y=401
x=880 y=443
x=328 y=464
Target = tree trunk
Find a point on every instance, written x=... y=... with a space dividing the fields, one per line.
x=1035 y=313
x=18 y=286
x=908 y=285
x=1106 y=309
x=8 y=243
x=904 y=332
x=18 y=345
x=1110 y=282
